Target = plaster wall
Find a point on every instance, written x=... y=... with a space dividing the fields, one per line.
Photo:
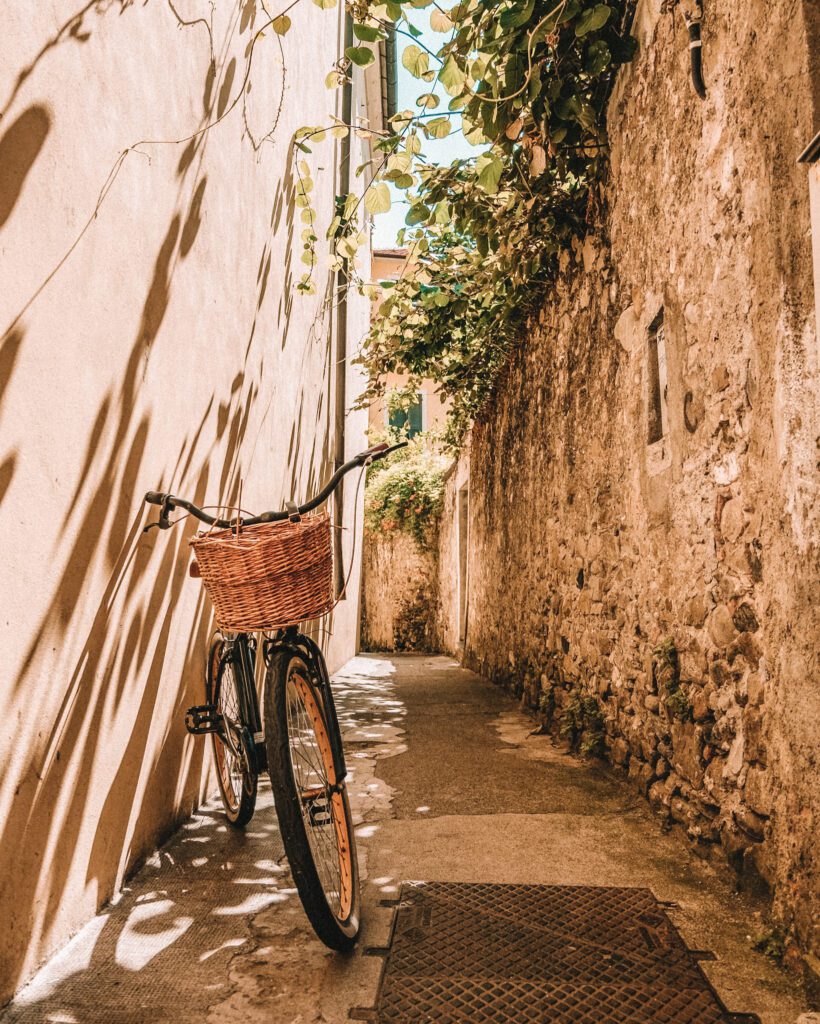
x=150 y=337
x=658 y=601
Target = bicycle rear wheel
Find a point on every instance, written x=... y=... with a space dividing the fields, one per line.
x=314 y=812
x=237 y=786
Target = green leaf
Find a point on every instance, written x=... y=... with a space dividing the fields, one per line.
x=441 y=213
x=399 y=162
x=452 y=77
x=439 y=21
x=401 y=119
x=415 y=60
x=368 y=33
x=592 y=19
x=438 y=128
x=517 y=15
x=377 y=198
x=417 y=214
x=473 y=133
x=488 y=172
x=281 y=24
x=326 y=5
x=428 y=101
x=360 y=55
x=598 y=57
x=334 y=79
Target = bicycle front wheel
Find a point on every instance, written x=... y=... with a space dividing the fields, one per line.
x=313 y=810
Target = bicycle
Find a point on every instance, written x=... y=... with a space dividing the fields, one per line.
x=300 y=744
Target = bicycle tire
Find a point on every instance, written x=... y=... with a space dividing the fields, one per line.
x=236 y=788
x=304 y=800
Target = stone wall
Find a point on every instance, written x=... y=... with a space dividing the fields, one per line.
x=644 y=557
x=399 y=594
x=450 y=560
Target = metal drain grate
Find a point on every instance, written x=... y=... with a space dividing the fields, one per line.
x=491 y=954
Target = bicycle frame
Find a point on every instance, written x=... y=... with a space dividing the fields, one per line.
x=241 y=650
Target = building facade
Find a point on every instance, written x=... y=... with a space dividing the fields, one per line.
x=151 y=338
x=428 y=412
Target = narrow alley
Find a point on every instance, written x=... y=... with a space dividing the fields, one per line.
x=449 y=783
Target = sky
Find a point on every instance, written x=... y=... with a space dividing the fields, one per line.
x=442 y=151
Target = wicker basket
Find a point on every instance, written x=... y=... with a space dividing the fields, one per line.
x=268 y=576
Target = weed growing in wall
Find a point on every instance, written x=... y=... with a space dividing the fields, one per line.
x=582 y=723
x=666 y=668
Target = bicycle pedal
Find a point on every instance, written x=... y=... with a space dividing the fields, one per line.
x=202 y=719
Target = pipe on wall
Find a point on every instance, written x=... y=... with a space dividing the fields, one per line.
x=693 y=17
x=340 y=348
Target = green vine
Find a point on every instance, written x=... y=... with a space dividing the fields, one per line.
x=407 y=491
x=527 y=82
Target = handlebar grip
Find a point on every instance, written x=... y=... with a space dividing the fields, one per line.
x=155 y=497
x=388 y=450
x=375 y=450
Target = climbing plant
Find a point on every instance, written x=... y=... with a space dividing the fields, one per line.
x=527 y=82
x=406 y=492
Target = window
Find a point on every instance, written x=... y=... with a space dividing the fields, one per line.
x=657 y=418
x=410 y=420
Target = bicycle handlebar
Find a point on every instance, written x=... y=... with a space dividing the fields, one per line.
x=168 y=502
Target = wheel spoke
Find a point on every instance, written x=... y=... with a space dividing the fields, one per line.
x=228 y=764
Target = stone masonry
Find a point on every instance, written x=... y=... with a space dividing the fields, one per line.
x=399 y=593
x=643 y=530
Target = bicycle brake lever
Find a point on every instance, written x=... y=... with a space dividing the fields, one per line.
x=163 y=523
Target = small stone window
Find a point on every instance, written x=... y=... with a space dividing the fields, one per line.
x=657 y=418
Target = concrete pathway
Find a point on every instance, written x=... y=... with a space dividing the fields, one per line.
x=448 y=784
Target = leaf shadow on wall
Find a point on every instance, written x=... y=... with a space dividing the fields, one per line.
x=19 y=148
x=9 y=350
x=128 y=639
x=133 y=624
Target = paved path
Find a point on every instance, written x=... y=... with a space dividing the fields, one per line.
x=448 y=784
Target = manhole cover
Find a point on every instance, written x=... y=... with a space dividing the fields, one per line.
x=581 y=954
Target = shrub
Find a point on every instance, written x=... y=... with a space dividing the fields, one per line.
x=406 y=491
